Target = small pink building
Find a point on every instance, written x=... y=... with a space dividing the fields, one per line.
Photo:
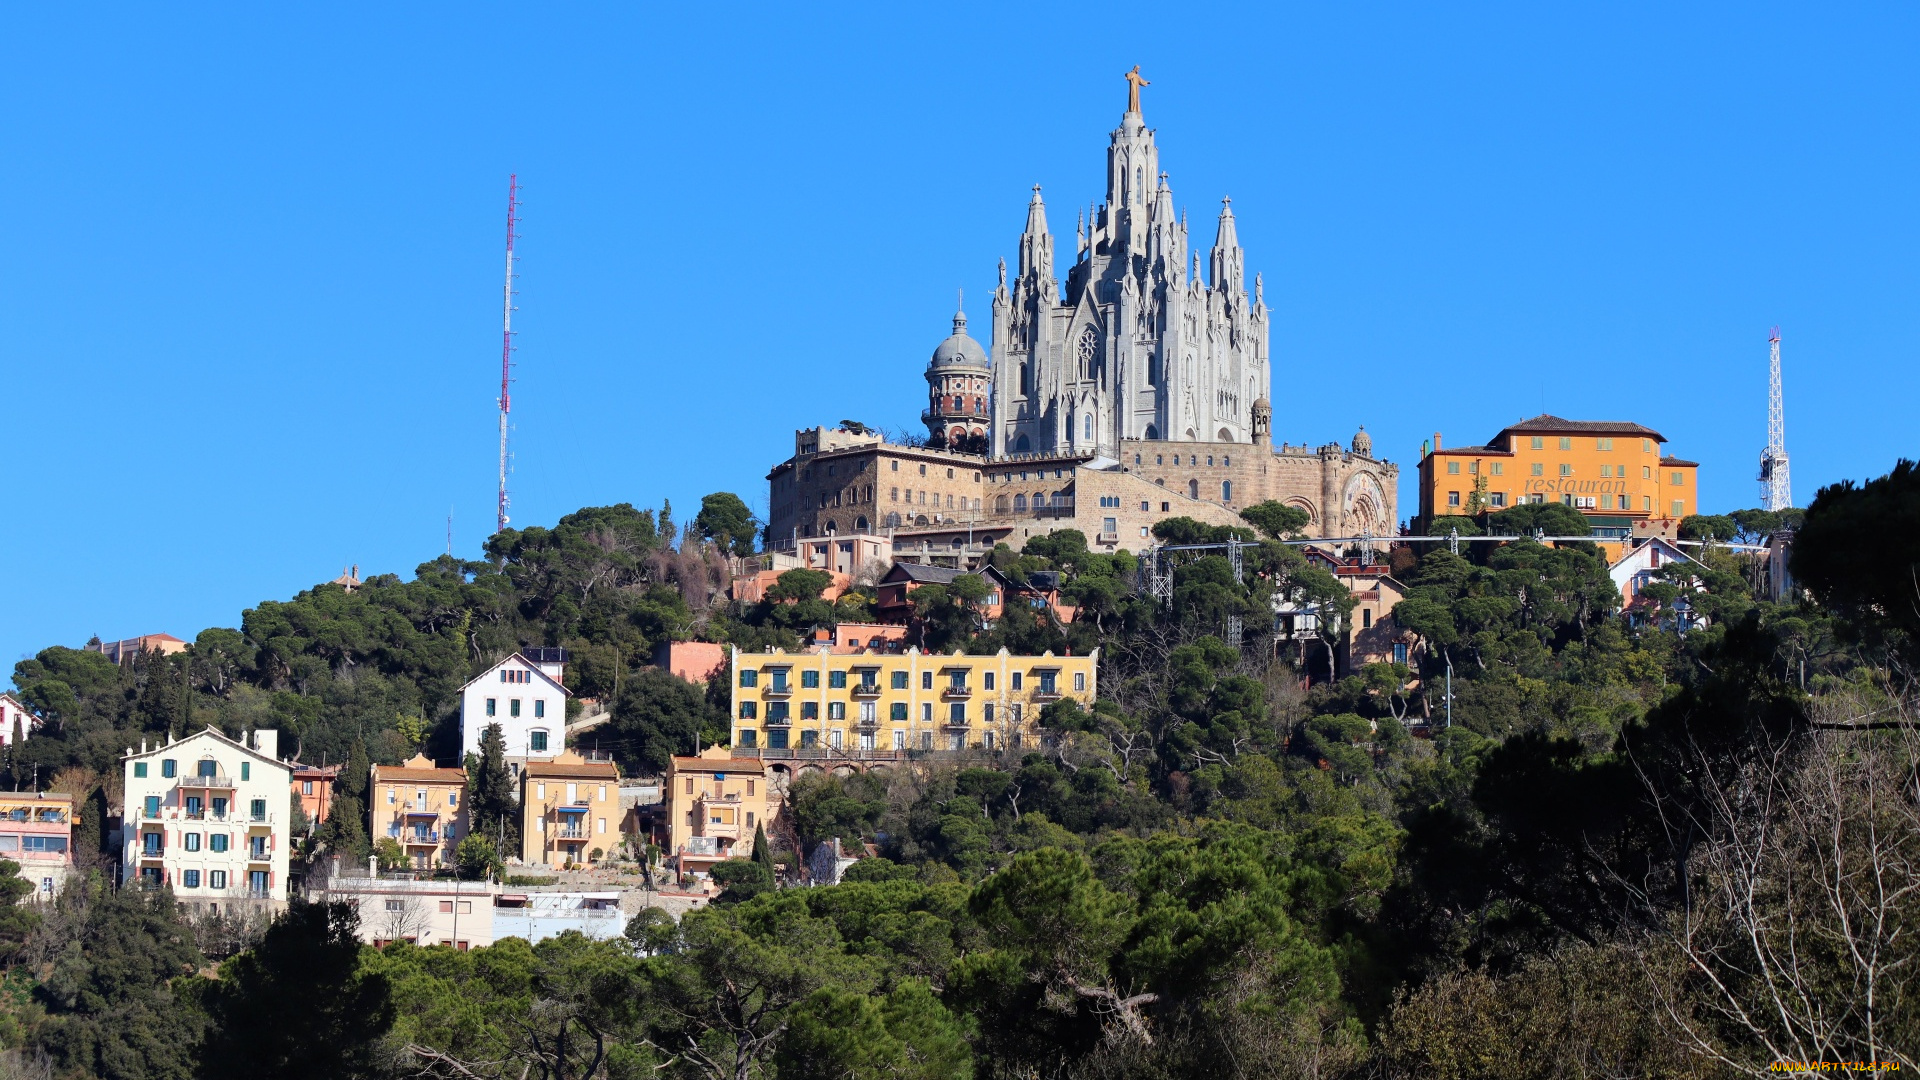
x=694 y=661
x=36 y=831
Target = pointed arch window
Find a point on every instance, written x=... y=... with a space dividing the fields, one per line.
x=1089 y=351
x=1089 y=427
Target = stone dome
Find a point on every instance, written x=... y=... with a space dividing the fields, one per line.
x=960 y=350
x=1363 y=443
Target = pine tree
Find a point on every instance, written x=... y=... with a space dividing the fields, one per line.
x=355 y=777
x=667 y=529
x=158 y=707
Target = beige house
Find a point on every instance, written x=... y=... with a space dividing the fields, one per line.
x=715 y=801
x=422 y=806
x=569 y=810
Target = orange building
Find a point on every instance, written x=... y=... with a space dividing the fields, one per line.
x=1613 y=471
x=313 y=790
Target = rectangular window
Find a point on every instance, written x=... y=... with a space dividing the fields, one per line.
x=1646 y=503
x=1498 y=498
x=190 y=878
x=1566 y=444
x=1603 y=444
x=749 y=710
x=836 y=710
x=836 y=680
x=537 y=741
x=1399 y=652
x=259 y=809
x=779 y=676
x=1678 y=507
x=869 y=712
x=777 y=712
x=306 y=787
x=899 y=740
x=926 y=712
x=246 y=770
x=1016 y=680
x=217 y=842
x=257 y=882
x=1473 y=467
x=749 y=737
x=1079 y=680
x=1366 y=618
x=1678 y=480
x=1537 y=443
x=216 y=879
x=926 y=680
x=209 y=767
x=191 y=841
x=491 y=705
x=899 y=680
x=1110 y=526
x=1047 y=682
x=986 y=714
x=49 y=845
x=1566 y=470
x=1537 y=469
x=957 y=713
x=1625 y=503
x=153 y=806
x=1453 y=468
x=513 y=707
x=539 y=708
x=1646 y=445
x=219 y=808
x=1606 y=471
x=809 y=710
x=986 y=680
x=809 y=680
x=749 y=677
x=140 y=770
x=897 y=711
x=170 y=768
x=1453 y=498
x=1499 y=468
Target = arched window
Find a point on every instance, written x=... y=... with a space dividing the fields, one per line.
x=1021 y=445
x=832 y=529
x=1089 y=348
x=1193 y=492
x=860 y=524
x=1019 y=503
x=1226 y=491
x=1152 y=432
x=1089 y=427
x=1000 y=505
x=893 y=520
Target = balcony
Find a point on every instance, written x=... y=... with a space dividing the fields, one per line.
x=417 y=838
x=259 y=855
x=866 y=689
x=202 y=782
x=258 y=821
x=1047 y=694
x=956 y=693
x=708 y=846
x=778 y=721
x=577 y=832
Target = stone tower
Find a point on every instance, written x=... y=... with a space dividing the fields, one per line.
x=1136 y=345
x=959 y=378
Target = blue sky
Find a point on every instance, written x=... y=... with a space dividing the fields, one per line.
x=249 y=302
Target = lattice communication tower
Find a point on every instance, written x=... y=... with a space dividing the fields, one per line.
x=506 y=346
x=1776 y=485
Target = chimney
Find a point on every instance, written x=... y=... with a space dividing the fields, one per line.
x=1436 y=440
x=267 y=741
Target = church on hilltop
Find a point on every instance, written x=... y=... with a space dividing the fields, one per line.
x=1138 y=345
x=1133 y=390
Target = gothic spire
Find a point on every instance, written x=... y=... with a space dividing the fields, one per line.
x=1036 y=243
x=1229 y=262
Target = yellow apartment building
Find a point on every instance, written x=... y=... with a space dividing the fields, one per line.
x=569 y=810
x=422 y=806
x=825 y=704
x=36 y=831
x=1615 y=472
x=717 y=802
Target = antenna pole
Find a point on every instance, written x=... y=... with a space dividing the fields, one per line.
x=1776 y=484
x=506 y=345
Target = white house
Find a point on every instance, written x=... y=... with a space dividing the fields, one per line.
x=209 y=816
x=13 y=713
x=1636 y=569
x=523 y=695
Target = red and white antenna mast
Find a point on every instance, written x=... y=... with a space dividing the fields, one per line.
x=506 y=344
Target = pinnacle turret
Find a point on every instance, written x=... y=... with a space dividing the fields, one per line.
x=1036 y=243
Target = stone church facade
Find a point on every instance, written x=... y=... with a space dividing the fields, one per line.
x=1139 y=378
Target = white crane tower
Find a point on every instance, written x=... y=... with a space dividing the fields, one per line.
x=1776 y=487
